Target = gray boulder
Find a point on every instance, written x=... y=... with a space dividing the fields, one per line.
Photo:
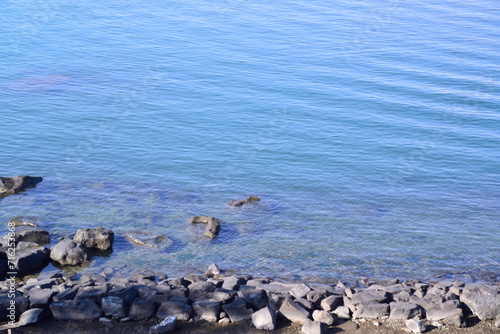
x=38 y=236
x=208 y=311
x=441 y=311
x=342 y=312
x=40 y=298
x=264 y=319
x=68 y=252
x=238 y=310
x=213 y=270
x=331 y=303
x=141 y=309
x=324 y=317
x=455 y=319
x=416 y=326
x=113 y=307
x=314 y=327
x=97 y=238
x=16 y=184
x=177 y=309
x=300 y=291
x=404 y=311
x=31 y=259
x=484 y=306
x=79 y=310
x=293 y=311
x=371 y=311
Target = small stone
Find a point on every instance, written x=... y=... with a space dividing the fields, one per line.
x=249 y=199
x=300 y=291
x=213 y=270
x=107 y=322
x=167 y=325
x=31 y=316
x=497 y=323
x=416 y=326
x=324 y=317
x=314 y=327
x=342 y=312
x=264 y=319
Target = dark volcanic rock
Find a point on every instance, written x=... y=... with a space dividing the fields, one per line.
x=237 y=310
x=142 y=309
x=179 y=310
x=249 y=199
x=37 y=236
x=80 y=310
x=68 y=252
x=16 y=184
x=30 y=260
x=98 y=238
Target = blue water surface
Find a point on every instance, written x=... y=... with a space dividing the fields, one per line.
x=369 y=129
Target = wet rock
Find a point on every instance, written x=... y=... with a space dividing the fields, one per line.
x=208 y=311
x=265 y=319
x=165 y=326
x=213 y=270
x=416 y=326
x=79 y=310
x=95 y=238
x=314 y=327
x=331 y=303
x=24 y=221
x=213 y=225
x=238 y=310
x=248 y=200
x=404 y=311
x=30 y=260
x=141 y=309
x=293 y=312
x=68 y=252
x=40 y=298
x=177 y=309
x=371 y=311
x=148 y=239
x=16 y=184
x=113 y=307
x=484 y=306
x=324 y=317
x=38 y=236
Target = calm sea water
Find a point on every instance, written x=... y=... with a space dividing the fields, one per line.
x=369 y=129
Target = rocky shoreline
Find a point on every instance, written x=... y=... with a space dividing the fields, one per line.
x=265 y=304
x=167 y=304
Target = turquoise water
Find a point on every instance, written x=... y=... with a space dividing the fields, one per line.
x=369 y=129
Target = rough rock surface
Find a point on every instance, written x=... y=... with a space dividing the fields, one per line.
x=97 y=238
x=16 y=184
x=213 y=225
x=68 y=252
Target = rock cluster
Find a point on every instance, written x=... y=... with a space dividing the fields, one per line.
x=261 y=301
x=213 y=225
x=248 y=200
x=16 y=184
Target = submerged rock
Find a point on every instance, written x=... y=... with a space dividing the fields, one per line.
x=68 y=252
x=148 y=239
x=16 y=184
x=248 y=200
x=98 y=238
x=213 y=225
x=24 y=221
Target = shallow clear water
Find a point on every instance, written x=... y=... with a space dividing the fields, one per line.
x=369 y=129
